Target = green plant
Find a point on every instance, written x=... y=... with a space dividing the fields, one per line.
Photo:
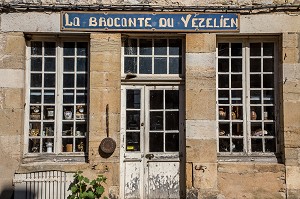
x=84 y=188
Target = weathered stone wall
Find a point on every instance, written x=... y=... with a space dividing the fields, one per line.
x=12 y=64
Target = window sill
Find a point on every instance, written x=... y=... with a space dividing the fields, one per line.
x=55 y=158
x=272 y=158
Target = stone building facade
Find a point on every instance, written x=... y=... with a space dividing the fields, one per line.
x=220 y=120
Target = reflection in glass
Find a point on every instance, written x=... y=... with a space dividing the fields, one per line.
x=36 y=64
x=172 y=99
x=172 y=120
x=172 y=142
x=223 y=49
x=156 y=120
x=156 y=99
x=36 y=48
x=133 y=120
x=36 y=80
x=130 y=65
x=69 y=48
x=160 y=65
x=133 y=99
x=145 y=46
x=160 y=47
x=255 y=49
x=50 y=64
x=81 y=64
x=132 y=141
x=82 y=48
x=48 y=129
x=130 y=47
x=156 y=142
x=145 y=65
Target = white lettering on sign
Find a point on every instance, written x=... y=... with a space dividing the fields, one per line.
x=121 y=22
x=74 y=22
x=209 y=22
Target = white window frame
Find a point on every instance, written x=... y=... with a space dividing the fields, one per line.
x=57 y=150
x=247 y=154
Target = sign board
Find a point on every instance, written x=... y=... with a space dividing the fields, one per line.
x=157 y=21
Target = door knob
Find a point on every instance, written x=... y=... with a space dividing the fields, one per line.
x=149 y=156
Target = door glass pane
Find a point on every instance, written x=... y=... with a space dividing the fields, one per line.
x=172 y=99
x=133 y=120
x=156 y=120
x=156 y=99
x=133 y=99
x=156 y=142
x=172 y=120
x=172 y=141
x=132 y=141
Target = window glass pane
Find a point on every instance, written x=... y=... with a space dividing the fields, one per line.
x=172 y=99
x=223 y=49
x=49 y=96
x=81 y=80
x=68 y=114
x=236 y=97
x=50 y=64
x=68 y=64
x=255 y=65
x=236 y=65
x=224 y=145
x=160 y=65
x=270 y=145
x=269 y=97
x=67 y=129
x=172 y=120
x=132 y=141
x=236 y=81
x=268 y=49
x=255 y=113
x=268 y=81
x=268 y=65
x=82 y=48
x=133 y=99
x=223 y=81
x=255 y=49
x=145 y=46
x=81 y=96
x=67 y=144
x=132 y=120
x=35 y=96
x=224 y=129
x=145 y=65
x=80 y=145
x=172 y=141
x=236 y=49
x=256 y=145
x=48 y=129
x=130 y=65
x=223 y=97
x=175 y=47
x=69 y=48
x=156 y=142
x=255 y=81
x=237 y=145
x=255 y=97
x=81 y=64
x=36 y=48
x=81 y=128
x=36 y=80
x=68 y=97
x=68 y=81
x=174 y=65
x=223 y=113
x=49 y=80
x=156 y=99
x=130 y=47
x=50 y=48
x=237 y=129
x=34 y=146
x=156 y=120
x=36 y=64
x=256 y=129
x=269 y=129
x=160 y=47
x=223 y=65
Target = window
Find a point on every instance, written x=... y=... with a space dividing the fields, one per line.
x=246 y=97
x=152 y=56
x=57 y=97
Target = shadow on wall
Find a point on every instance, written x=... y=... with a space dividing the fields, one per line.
x=10 y=193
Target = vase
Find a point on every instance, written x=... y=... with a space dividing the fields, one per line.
x=253 y=115
x=222 y=113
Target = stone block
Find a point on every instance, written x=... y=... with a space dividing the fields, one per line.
x=189 y=175
x=11 y=121
x=290 y=55
x=292 y=177
x=199 y=43
x=12 y=78
x=292 y=156
x=248 y=180
x=201 y=151
x=289 y=40
x=202 y=62
x=13 y=98
x=200 y=104
x=201 y=129
x=205 y=175
x=104 y=79
x=291 y=116
x=201 y=81
x=292 y=138
x=15 y=44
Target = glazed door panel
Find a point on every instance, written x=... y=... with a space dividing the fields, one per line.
x=151 y=133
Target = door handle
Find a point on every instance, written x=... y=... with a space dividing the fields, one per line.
x=149 y=156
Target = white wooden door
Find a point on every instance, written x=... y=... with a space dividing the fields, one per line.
x=151 y=134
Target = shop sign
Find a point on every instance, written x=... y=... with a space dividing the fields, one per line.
x=179 y=22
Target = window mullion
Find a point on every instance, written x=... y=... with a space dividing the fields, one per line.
x=246 y=73
x=59 y=96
